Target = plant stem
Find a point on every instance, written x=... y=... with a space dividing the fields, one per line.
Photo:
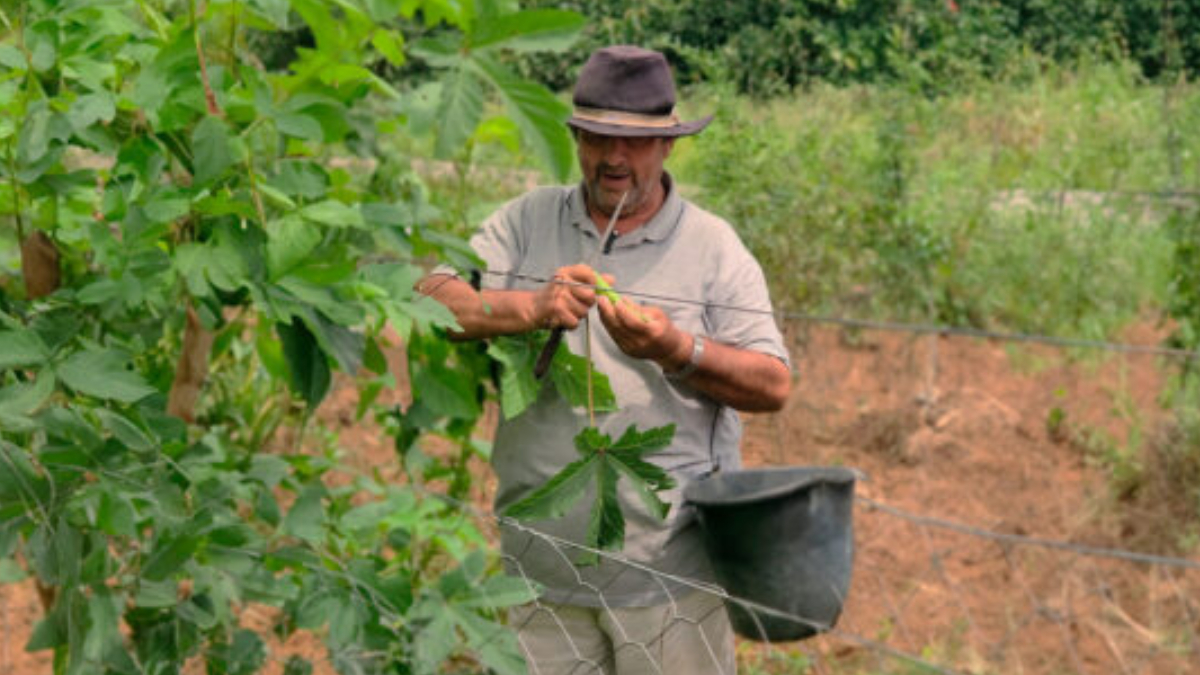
x=587 y=354
x=210 y=97
x=12 y=166
x=256 y=197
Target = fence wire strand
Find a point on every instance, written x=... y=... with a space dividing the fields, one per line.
x=1056 y=583
x=879 y=325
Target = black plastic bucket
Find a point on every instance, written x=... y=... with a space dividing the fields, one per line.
x=783 y=540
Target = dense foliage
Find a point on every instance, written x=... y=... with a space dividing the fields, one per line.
x=179 y=217
x=766 y=47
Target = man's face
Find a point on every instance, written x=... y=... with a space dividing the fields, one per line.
x=613 y=165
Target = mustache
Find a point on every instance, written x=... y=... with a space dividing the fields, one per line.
x=603 y=168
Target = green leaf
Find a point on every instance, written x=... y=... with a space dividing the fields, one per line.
x=300 y=126
x=606 y=528
x=11 y=572
x=495 y=643
x=270 y=353
x=499 y=592
x=607 y=462
x=12 y=58
x=459 y=111
x=190 y=262
x=103 y=634
x=211 y=150
x=102 y=374
x=169 y=554
x=125 y=431
x=308 y=369
x=91 y=108
x=447 y=392
x=306 y=518
x=568 y=372
x=275 y=11
x=390 y=44
x=519 y=388
x=21 y=350
x=346 y=623
x=645 y=479
x=325 y=29
x=23 y=398
x=41 y=39
x=343 y=344
x=245 y=655
x=374 y=359
x=67 y=424
x=290 y=241
x=333 y=213
x=434 y=642
x=301 y=179
x=540 y=115
x=556 y=496
x=641 y=442
x=530 y=30
x=156 y=594
x=116 y=515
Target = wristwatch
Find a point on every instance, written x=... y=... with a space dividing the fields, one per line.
x=693 y=362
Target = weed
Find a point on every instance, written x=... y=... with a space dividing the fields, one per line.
x=1018 y=207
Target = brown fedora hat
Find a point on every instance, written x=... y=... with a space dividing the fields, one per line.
x=628 y=91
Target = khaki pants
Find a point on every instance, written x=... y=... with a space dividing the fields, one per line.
x=690 y=636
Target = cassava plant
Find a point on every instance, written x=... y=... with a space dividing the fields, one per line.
x=603 y=461
x=173 y=205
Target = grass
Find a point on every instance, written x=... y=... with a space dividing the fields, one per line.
x=1014 y=206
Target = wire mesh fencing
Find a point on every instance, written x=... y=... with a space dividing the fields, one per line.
x=988 y=538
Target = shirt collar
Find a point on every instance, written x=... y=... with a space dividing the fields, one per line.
x=658 y=228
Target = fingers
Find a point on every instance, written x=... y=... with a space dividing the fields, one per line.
x=564 y=301
x=641 y=331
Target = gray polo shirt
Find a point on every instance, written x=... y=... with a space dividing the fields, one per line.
x=685 y=253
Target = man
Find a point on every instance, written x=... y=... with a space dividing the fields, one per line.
x=710 y=349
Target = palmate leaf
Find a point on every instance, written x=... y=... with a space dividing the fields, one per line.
x=556 y=496
x=530 y=30
x=646 y=479
x=460 y=111
x=606 y=527
x=606 y=462
x=539 y=114
x=641 y=442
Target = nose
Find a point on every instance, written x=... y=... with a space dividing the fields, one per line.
x=616 y=149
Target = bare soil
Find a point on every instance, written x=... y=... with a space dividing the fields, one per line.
x=1014 y=440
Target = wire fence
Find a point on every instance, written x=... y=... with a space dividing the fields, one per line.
x=985 y=542
x=975 y=527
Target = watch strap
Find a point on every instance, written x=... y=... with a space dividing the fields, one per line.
x=693 y=362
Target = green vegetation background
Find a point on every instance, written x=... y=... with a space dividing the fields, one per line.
x=1028 y=166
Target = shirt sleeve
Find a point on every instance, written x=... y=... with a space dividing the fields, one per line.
x=740 y=312
x=500 y=244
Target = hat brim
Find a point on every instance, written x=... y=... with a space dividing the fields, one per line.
x=632 y=131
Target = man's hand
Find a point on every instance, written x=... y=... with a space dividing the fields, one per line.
x=740 y=378
x=566 y=299
x=645 y=332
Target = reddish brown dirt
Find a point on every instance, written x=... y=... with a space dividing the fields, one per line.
x=958 y=429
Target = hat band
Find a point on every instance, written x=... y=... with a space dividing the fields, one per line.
x=627 y=119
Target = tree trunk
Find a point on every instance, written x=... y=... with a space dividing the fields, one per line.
x=39 y=265
x=192 y=368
